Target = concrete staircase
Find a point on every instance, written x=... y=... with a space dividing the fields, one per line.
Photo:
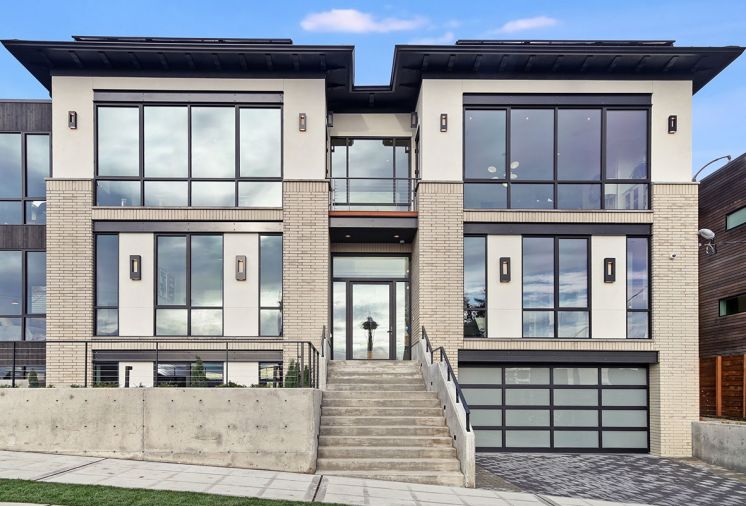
x=378 y=421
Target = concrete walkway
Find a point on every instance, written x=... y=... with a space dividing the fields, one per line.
x=264 y=484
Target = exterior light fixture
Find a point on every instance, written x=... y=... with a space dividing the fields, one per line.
x=609 y=270
x=726 y=157
x=240 y=267
x=504 y=269
x=302 y=122
x=329 y=119
x=135 y=267
x=72 y=120
x=673 y=124
x=444 y=122
x=413 y=120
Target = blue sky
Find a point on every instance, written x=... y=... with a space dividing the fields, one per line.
x=374 y=27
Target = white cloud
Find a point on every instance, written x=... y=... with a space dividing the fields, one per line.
x=354 y=21
x=523 y=24
x=446 y=38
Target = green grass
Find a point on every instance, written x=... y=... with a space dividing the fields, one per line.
x=96 y=495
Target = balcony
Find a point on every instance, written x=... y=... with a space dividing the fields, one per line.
x=371 y=194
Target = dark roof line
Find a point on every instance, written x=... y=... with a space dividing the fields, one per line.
x=181 y=40
x=546 y=42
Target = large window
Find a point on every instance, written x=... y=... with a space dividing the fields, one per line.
x=735 y=219
x=189 y=292
x=556 y=288
x=23 y=295
x=107 y=285
x=190 y=374
x=556 y=158
x=638 y=288
x=270 y=285
x=562 y=408
x=24 y=163
x=370 y=174
x=732 y=305
x=475 y=286
x=189 y=155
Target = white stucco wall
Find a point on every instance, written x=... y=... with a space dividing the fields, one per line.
x=242 y=373
x=241 y=298
x=504 y=300
x=373 y=125
x=442 y=152
x=136 y=297
x=303 y=152
x=141 y=374
x=608 y=300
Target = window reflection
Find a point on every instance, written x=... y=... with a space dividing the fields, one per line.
x=475 y=286
x=573 y=273
x=259 y=194
x=118 y=152
x=531 y=144
x=261 y=145
x=36 y=282
x=627 y=144
x=213 y=193
x=172 y=270
x=485 y=144
x=270 y=285
x=23 y=295
x=538 y=272
x=36 y=212
x=10 y=165
x=638 y=286
x=485 y=196
x=11 y=213
x=166 y=141
x=118 y=193
x=579 y=144
x=214 y=142
x=371 y=158
x=11 y=282
x=207 y=270
x=37 y=164
x=166 y=193
x=532 y=196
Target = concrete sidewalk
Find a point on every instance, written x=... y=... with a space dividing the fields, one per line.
x=264 y=484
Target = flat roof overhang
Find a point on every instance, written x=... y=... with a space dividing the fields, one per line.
x=372 y=226
x=279 y=58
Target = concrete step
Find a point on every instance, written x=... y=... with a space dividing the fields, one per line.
x=413 y=421
x=374 y=378
x=451 y=479
x=362 y=464
x=381 y=411
x=374 y=441
x=383 y=403
x=389 y=387
x=383 y=430
x=387 y=452
x=377 y=394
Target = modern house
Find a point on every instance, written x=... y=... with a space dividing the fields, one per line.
x=722 y=291
x=527 y=203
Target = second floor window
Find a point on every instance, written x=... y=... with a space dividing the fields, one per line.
x=23 y=295
x=188 y=155
x=24 y=163
x=556 y=158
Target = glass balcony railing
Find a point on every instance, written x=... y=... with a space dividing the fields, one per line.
x=371 y=194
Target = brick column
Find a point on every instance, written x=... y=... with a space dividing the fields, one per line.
x=69 y=278
x=305 y=261
x=438 y=266
x=674 y=382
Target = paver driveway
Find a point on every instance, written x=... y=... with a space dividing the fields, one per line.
x=624 y=478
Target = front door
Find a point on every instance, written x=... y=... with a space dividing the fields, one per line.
x=370 y=327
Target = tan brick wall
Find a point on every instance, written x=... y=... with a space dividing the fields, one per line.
x=437 y=271
x=69 y=277
x=558 y=216
x=184 y=214
x=305 y=289
x=674 y=382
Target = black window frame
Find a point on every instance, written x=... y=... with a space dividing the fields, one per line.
x=721 y=314
x=237 y=179
x=556 y=309
x=647 y=310
x=25 y=198
x=552 y=407
x=727 y=228
x=486 y=287
x=395 y=179
x=96 y=306
x=24 y=315
x=160 y=382
x=259 y=285
x=556 y=182
x=188 y=307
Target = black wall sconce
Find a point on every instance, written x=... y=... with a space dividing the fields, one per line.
x=673 y=124
x=609 y=270
x=413 y=120
x=135 y=267
x=302 y=122
x=72 y=120
x=329 y=119
x=504 y=269
x=240 y=267
x=443 y=122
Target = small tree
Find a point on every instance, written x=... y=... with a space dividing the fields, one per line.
x=199 y=377
x=33 y=379
x=292 y=375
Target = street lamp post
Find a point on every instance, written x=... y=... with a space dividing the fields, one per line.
x=694 y=179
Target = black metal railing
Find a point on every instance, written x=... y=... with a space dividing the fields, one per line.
x=371 y=194
x=183 y=362
x=450 y=375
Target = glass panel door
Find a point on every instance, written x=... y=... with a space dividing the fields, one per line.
x=370 y=321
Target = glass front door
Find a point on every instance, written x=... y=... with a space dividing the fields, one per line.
x=371 y=330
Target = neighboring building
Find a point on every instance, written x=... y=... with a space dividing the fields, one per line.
x=722 y=269
x=528 y=203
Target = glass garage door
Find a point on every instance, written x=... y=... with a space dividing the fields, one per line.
x=557 y=408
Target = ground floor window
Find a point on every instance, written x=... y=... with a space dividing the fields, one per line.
x=517 y=407
x=270 y=374
x=190 y=374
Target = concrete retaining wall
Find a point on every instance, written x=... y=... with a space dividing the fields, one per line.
x=274 y=429
x=720 y=443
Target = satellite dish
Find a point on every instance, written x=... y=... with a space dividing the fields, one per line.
x=706 y=234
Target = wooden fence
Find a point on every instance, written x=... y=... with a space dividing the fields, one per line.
x=722 y=386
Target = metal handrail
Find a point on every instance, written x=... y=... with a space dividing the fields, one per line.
x=451 y=376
